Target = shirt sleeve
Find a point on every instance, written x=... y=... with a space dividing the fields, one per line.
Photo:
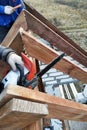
x=4 y=51
x=2 y=9
x=23 y=6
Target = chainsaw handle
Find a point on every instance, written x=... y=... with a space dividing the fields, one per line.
x=21 y=70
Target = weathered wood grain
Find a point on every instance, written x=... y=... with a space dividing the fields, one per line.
x=17 y=114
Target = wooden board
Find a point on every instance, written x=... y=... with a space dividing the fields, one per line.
x=58 y=108
x=42 y=52
x=51 y=36
x=17 y=114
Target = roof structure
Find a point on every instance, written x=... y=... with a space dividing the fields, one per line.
x=18 y=38
x=28 y=21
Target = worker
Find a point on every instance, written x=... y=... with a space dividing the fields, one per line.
x=8 y=14
x=82 y=96
x=8 y=55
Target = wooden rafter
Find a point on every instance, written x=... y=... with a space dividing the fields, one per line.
x=45 y=54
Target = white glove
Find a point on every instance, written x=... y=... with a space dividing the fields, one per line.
x=13 y=58
x=8 y=10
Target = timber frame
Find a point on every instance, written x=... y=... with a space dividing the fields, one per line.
x=17 y=38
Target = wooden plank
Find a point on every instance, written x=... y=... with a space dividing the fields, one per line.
x=17 y=113
x=58 y=108
x=48 y=34
x=42 y=52
x=34 y=12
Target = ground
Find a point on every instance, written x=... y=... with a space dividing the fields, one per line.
x=70 y=16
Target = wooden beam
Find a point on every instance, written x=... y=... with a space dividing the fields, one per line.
x=42 y=52
x=17 y=113
x=58 y=41
x=58 y=108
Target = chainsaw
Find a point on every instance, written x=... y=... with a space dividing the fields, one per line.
x=25 y=76
x=23 y=73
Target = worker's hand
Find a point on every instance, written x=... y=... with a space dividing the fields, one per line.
x=14 y=58
x=8 y=10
